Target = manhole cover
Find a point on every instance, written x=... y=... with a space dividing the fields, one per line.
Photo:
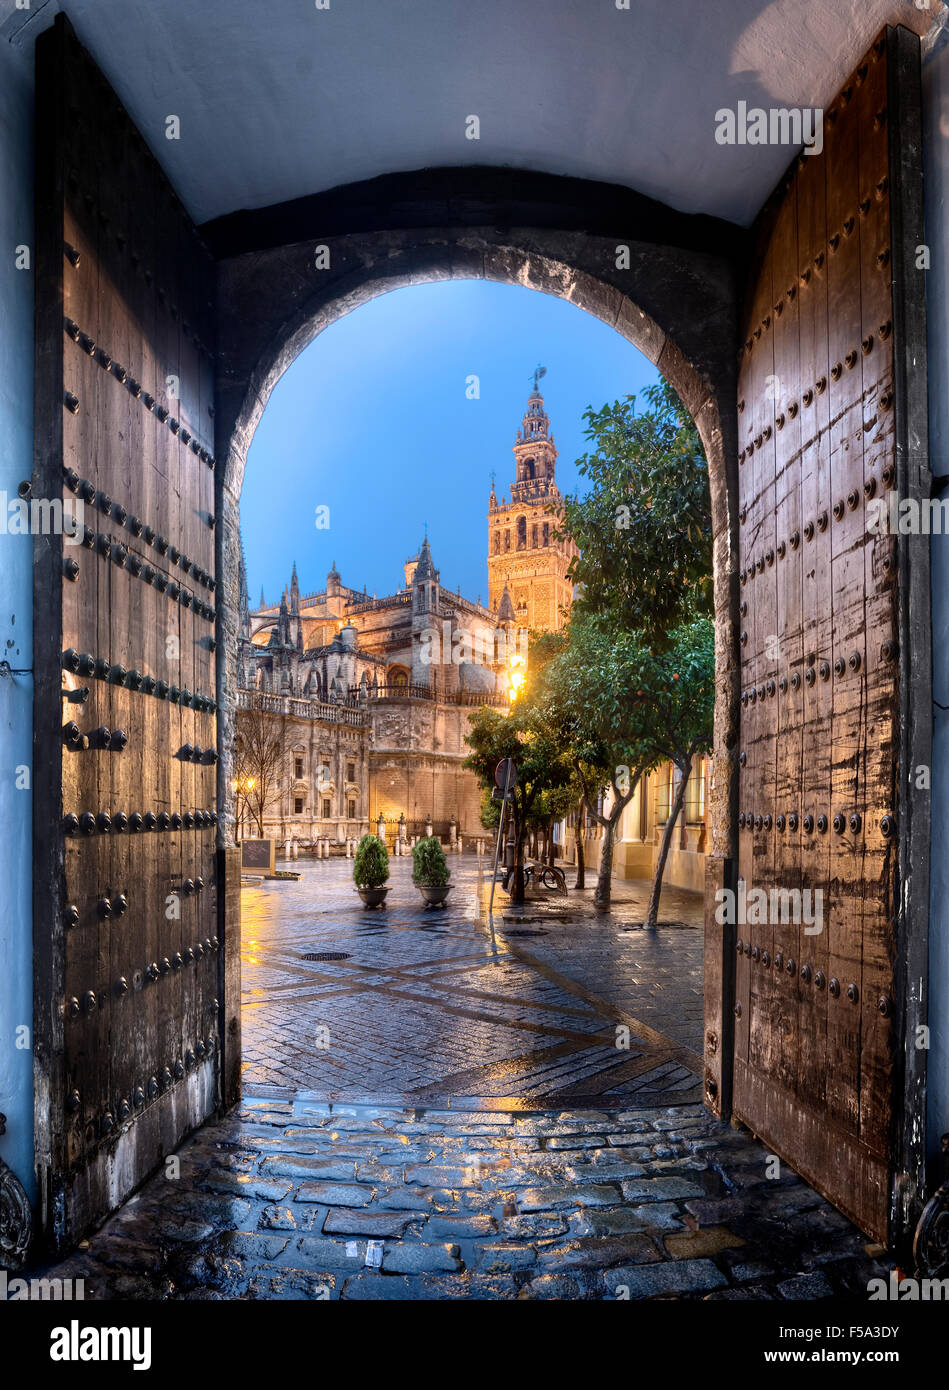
x=327 y=955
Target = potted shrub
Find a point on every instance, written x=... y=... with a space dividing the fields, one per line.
x=370 y=871
x=430 y=871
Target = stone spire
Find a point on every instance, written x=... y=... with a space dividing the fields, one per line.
x=294 y=591
x=506 y=612
x=425 y=569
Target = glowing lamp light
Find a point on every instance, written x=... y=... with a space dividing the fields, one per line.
x=516 y=674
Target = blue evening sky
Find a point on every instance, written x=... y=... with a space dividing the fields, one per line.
x=372 y=421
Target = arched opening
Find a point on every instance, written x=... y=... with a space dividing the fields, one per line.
x=426 y=260
x=677 y=304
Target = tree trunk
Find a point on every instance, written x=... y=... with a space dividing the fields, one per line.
x=551 y=843
x=652 y=911
x=604 y=878
x=581 y=864
x=517 y=883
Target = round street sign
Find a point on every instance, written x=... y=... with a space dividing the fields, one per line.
x=505 y=774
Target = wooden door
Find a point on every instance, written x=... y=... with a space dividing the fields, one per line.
x=834 y=641
x=126 y=928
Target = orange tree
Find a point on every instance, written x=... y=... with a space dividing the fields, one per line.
x=541 y=762
x=644 y=526
x=620 y=709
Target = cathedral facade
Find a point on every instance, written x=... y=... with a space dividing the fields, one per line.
x=370 y=696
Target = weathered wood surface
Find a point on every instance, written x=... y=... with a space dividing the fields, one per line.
x=821 y=1014
x=126 y=914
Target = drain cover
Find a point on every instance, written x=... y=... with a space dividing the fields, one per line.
x=327 y=955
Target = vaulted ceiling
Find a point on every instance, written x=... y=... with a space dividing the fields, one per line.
x=279 y=98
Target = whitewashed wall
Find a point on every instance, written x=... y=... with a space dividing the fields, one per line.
x=16 y=611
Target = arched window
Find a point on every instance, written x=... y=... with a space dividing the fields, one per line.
x=521 y=533
x=534 y=536
x=507 y=539
x=398 y=678
x=529 y=470
x=497 y=542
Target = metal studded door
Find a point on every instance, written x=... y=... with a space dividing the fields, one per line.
x=125 y=925
x=833 y=821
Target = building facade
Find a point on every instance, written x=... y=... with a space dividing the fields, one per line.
x=372 y=696
x=639 y=834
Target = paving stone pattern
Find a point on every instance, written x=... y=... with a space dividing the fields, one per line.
x=306 y=1200
x=518 y=1010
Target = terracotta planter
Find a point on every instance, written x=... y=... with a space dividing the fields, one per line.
x=373 y=897
x=434 y=894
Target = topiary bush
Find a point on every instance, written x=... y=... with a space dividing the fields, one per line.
x=371 y=866
x=428 y=863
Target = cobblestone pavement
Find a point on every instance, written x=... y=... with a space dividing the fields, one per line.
x=430 y=1005
x=301 y=1199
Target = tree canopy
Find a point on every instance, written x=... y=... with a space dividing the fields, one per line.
x=644 y=527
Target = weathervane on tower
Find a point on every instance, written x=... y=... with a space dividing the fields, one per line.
x=536 y=375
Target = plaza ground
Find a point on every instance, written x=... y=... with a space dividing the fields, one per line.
x=468 y=1126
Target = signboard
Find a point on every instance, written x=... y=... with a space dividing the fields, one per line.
x=505 y=774
x=258 y=854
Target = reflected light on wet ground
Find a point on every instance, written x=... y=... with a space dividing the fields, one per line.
x=524 y=1008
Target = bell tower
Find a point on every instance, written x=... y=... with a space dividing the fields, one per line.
x=523 y=554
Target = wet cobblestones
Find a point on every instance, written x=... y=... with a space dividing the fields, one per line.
x=431 y=1005
x=305 y=1200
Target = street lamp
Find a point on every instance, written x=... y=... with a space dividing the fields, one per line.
x=516 y=675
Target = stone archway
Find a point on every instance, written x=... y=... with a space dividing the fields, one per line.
x=667 y=282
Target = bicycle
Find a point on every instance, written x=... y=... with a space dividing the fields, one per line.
x=546 y=876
